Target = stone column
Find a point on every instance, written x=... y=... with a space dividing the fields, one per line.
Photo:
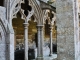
x=51 y=27
x=40 y=42
x=11 y=46
x=26 y=40
x=67 y=30
x=14 y=37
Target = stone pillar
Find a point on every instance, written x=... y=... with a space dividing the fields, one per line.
x=26 y=40
x=51 y=27
x=40 y=42
x=10 y=46
x=14 y=37
x=67 y=30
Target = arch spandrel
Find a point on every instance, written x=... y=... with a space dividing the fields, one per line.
x=38 y=12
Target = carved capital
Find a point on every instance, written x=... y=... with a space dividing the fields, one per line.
x=26 y=25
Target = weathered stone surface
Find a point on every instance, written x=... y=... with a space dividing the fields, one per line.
x=2 y=48
x=66 y=18
x=67 y=30
x=2 y=43
x=2 y=36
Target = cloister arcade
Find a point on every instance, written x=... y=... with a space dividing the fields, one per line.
x=22 y=21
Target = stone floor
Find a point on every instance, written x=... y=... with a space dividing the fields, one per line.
x=54 y=56
x=32 y=54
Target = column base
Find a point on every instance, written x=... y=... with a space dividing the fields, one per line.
x=39 y=58
x=53 y=57
x=50 y=54
x=44 y=58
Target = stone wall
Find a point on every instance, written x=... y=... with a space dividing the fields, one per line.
x=6 y=37
x=3 y=29
x=67 y=30
x=2 y=43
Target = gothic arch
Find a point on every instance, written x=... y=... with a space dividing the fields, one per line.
x=39 y=10
x=13 y=7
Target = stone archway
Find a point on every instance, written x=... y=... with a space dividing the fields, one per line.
x=39 y=16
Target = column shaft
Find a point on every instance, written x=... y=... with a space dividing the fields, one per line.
x=51 y=41
x=40 y=41
x=26 y=40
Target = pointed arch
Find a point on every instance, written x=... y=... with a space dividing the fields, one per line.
x=38 y=12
